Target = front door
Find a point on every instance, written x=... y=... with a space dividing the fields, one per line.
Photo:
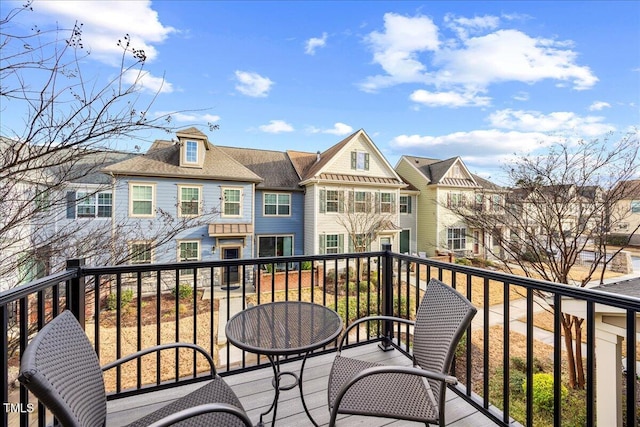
x=404 y=241
x=230 y=275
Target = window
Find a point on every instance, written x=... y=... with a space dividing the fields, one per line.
x=141 y=196
x=191 y=152
x=276 y=204
x=86 y=205
x=189 y=201
x=93 y=205
x=42 y=199
x=231 y=202
x=332 y=244
x=269 y=246
x=635 y=206
x=188 y=251
x=386 y=202
x=454 y=200
x=479 y=202
x=405 y=204
x=140 y=252
x=333 y=201
x=359 y=160
x=361 y=201
x=456 y=238
x=496 y=202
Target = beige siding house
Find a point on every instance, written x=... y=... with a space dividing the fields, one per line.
x=352 y=197
x=625 y=218
x=444 y=185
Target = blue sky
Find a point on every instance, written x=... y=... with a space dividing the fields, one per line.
x=480 y=80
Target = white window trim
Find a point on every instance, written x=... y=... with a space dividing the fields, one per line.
x=264 y=204
x=153 y=199
x=94 y=195
x=409 y=203
x=336 y=200
x=200 y=201
x=222 y=211
x=180 y=242
x=185 y=157
x=326 y=247
x=141 y=242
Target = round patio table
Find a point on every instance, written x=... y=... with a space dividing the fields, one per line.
x=284 y=328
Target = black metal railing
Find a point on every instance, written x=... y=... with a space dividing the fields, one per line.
x=127 y=308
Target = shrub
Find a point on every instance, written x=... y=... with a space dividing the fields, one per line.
x=363 y=286
x=183 y=291
x=126 y=296
x=543 y=391
x=463 y=261
x=305 y=265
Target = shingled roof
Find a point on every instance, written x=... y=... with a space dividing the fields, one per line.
x=275 y=167
x=163 y=160
x=435 y=171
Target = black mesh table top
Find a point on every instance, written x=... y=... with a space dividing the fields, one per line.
x=282 y=328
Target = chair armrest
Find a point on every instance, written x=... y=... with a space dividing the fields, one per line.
x=372 y=319
x=160 y=347
x=203 y=409
x=376 y=370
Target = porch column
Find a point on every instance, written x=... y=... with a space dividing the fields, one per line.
x=608 y=376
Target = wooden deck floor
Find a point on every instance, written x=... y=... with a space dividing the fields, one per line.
x=256 y=393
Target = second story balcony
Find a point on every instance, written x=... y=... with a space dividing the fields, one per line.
x=516 y=338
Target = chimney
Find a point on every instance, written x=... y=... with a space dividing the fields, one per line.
x=318 y=156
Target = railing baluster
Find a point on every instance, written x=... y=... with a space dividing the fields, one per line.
x=631 y=369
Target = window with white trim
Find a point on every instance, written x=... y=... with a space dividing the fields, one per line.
x=189 y=200
x=361 y=201
x=231 y=203
x=635 y=206
x=386 y=202
x=191 y=152
x=332 y=244
x=140 y=252
x=333 y=201
x=454 y=200
x=141 y=197
x=94 y=205
x=457 y=238
x=359 y=160
x=277 y=204
x=405 y=204
x=188 y=250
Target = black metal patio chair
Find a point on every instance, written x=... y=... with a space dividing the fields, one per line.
x=61 y=369
x=414 y=393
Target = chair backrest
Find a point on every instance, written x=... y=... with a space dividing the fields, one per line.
x=442 y=318
x=61 y=369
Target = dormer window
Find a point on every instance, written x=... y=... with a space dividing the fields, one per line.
x=191 y=152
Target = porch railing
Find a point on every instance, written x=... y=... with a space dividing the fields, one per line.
x=126 y=308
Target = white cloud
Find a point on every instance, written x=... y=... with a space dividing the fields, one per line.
x=252 y=84
x=104 y=23
x=146 y=82
x=561 y=122
x=276 y=126
x=599 y=105
x=338 y=128
x=189 y=117
x=481 y=55
x=448 y=99
x=314 y=43
x=521 y=96
x=396 y=50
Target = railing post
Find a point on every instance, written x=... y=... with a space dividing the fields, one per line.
x=387 y=297
x=76 y=292
x=4 y=370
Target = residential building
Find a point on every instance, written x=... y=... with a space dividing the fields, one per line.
x=445 y=186
x=185 y=201
x=351 y=197
x=624 y=220
x=279 y=202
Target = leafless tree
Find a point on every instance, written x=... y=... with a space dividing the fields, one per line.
x=68 y=122
x=561 y=204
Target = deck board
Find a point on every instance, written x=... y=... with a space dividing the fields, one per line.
x=255 y=391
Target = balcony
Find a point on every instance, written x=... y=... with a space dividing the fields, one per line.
x=126 y=308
